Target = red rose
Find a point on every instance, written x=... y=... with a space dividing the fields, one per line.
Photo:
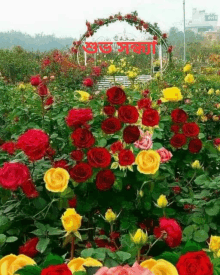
x=164 y=35
x=73 y=202
x=34 y=143
x=144 y=103
x=175 y=128
x=216 y=142
x=99 y=157
x=9 y=147
x=29 y=248
x=77 y=155
x=150 y=117
x=131 y=134
x=50 y=152
x=49 y=101
x=105 y=179
x=178 y=140
x=159 y=101
x=29 y=189
x=61 y=269
x=170 y=49
x=96 y=71
x=78 y=117
x=81 y=172
x=116 y=95
x=145 y=93
x=114 y=235
x=88 y=82
x=154 y=37
x=61 y=164
x=176 y=189
x=179 y=116
x=195 y=145
x=13 y=175
x=35 y=80
x=172 y=230
x=82 y=138
x=128 y=114
x=196 y=263
x=126 y=157
x=42 y=90
x=109 y=110
x=191 y=129
x=46 y=62
x=111 y=125
x=116 y=147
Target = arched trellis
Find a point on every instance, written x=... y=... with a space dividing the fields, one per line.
x=131 y=19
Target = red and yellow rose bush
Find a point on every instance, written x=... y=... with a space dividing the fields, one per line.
x=110 y=180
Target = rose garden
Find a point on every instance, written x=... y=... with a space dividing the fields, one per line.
x=123 y=180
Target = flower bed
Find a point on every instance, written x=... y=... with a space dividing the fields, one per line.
x=123 y=181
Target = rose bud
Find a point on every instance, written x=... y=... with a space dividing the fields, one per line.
x=176 y=189
x=145 y=93
x=73 y=202
x=88 y=82
x=88 y=245
x=29 y=248
x=35 y=80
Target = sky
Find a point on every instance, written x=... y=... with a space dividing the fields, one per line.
x=67 y=18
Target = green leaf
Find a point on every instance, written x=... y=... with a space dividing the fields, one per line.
x=213 y=210
x=188 y=231
x=42 y=244
x=170 y=257
x=54 y=231
x=11 y=239
x=2 y=239
x=78 y=235
x=191 y=246
x=29 y=270
x=200 y=180
x=91 y=270
x=110 y=262
x=52 y=259
x=102 y=142
x=4 y=224
x=200 y=236
x=67 y=193
x=124 y=256
x=87 y=252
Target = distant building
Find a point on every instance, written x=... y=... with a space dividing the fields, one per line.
x=202 y=21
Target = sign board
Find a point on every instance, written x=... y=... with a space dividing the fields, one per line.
x=211 y=17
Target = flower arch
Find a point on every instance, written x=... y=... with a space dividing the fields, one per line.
x=131 y=19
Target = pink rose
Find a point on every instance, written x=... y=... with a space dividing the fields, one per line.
x=165 y=155
x=136 y=269
x=145 y=142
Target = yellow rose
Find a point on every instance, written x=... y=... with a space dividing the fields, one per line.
x=200 y=112
x=110 y=216
x=11 y=263
x=189 y=79
x=214 y=244
x=139 y=238
x=56 y=179
x=160 y=267
x=71 y=220
x=187 y=68
x=215 y=118
x=211 y=91
x=21 y=87
x=217 y=92
x=196 y=164
x=148 y=162
x=112 y=69
x=84 y=96
x=162 y=201
x=78 y=264
x=204 y=118
x=172 y=94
